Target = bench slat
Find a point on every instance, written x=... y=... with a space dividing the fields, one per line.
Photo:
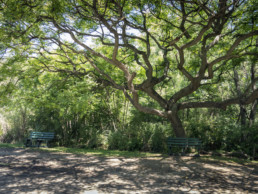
x=42 y=135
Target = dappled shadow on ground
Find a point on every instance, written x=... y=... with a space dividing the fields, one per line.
x=32 y=171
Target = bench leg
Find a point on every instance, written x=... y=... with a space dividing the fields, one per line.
x=170 y=150
x=198 y=151
x=183 y=151
x=47 y=143
x=39 y=143
x=28 y=143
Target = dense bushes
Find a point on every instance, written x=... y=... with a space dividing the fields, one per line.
x=143 y=137
x=225 y=134
x=243 y=139
x=14 y=126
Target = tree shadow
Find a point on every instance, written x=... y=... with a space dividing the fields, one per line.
x=32 y=171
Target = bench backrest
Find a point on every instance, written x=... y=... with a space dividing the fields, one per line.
x=177 y=141
x=184 y=141
x=194 y=142
x=42 y=135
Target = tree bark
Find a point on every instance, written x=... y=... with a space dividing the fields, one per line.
x=242 y=116
x=176 y=125
x=253 y=112
x=254 y=104
x=242 y=113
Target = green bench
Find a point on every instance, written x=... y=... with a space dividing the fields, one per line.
x=183 y=143
x=37 y=138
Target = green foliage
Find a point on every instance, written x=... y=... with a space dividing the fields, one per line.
x=15 y=126
x=144 y=136
x=242 y=139
x=220 y=131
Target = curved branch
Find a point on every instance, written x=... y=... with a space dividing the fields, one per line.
x=223 y=104
x=135 y=101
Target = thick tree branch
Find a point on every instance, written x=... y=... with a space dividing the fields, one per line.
x=223 y=104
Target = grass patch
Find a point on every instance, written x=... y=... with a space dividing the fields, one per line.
x=9 y=145
x=96 y=152
x=221 y=159
x=128 y=154
x=101 y=152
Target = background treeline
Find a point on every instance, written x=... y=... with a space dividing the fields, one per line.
x=85 y=114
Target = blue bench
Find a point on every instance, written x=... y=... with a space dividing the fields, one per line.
x=183 y=143
x=37 y=138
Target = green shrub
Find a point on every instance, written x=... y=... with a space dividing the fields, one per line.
x=144 y=137
x=158 y=140
x=117 y=141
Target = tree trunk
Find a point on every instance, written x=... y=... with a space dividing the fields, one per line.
x=254 y=105
x=242 y=116
x=253 y=112
x=177 y=125
x=242 y=113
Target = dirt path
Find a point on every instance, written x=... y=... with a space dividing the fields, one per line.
x=26 y=171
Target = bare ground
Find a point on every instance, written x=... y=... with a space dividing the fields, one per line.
x=26 y=171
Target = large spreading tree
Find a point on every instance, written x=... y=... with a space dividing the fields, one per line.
x=166 y=50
